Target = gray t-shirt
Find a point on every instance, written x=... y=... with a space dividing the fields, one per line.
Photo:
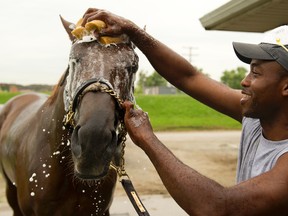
x=257 y=154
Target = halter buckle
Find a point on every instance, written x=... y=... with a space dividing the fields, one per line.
x=69 y=117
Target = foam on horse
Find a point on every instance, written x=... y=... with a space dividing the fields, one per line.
x=52 y=169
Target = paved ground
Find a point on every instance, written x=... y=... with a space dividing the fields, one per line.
x=155 y=205
x=212 y=153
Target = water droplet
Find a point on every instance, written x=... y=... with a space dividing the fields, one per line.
x=44 y=130
x=31 y=179
x=83 y=191
x=44 y=165
x=56 y=153
x=47 y=175
x=32 y=194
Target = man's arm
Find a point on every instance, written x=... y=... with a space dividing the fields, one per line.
x=173 y=67
x=264 y=195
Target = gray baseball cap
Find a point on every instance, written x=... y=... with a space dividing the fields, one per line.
x=274 y=47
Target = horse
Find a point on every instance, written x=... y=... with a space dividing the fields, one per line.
x=58 y=152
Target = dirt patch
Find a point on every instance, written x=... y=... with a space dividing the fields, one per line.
x=212 y=153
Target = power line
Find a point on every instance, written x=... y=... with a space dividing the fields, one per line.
x=190 y=53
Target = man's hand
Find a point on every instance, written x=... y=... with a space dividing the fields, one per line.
x=137 y=124
x=116 y=25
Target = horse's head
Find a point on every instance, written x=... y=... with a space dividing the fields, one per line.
x=99 y=77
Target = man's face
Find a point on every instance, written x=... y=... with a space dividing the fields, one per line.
x=262 y=89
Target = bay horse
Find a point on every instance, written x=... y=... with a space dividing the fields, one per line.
x=56 y=168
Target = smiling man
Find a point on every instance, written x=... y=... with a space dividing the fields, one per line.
x=262 y=175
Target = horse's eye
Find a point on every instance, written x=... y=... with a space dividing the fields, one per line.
x=75 y=60
x=132 y=68
x=72 y=65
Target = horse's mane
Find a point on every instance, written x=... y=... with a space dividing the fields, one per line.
x=56 y=88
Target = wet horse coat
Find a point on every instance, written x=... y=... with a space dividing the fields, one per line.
x=51 y=169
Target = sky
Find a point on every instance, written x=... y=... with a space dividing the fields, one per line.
x=34 y=47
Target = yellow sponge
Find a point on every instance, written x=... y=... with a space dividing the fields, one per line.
x=90 y=28
x=79 y=32
x=95 y=25
x=109 y=40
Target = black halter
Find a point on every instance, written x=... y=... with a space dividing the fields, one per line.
x=83 y=87
x=95 y=84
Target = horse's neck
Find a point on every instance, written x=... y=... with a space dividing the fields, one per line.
x=59 y=135
x=52 y=148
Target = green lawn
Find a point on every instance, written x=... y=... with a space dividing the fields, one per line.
x=5 y=96
x=175 y=112
x=181 y=112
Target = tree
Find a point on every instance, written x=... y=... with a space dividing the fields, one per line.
x=148 y=81
x=155 y=80
x=142 y=77
x=233 y=78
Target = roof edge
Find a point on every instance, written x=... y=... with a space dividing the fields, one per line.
x=228 y=11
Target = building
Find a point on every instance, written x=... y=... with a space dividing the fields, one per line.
x=247 y=16
x=156 y=90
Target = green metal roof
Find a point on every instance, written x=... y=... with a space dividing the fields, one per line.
x=247 y=16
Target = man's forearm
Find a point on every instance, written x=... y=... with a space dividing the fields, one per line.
x=190 y=189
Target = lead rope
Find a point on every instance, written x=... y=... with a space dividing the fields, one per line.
x=125 y=179
x=123 y=176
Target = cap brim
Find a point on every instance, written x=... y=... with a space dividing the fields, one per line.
x=246 y=52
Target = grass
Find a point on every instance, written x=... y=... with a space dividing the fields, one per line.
x=181 y=112
x=174 y=112
x=5 y=96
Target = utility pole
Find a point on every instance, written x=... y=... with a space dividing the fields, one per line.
x=190 y=53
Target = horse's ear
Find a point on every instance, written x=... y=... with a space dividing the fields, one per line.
x=68 y=27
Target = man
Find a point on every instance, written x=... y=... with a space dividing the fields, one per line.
x=261 y=106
